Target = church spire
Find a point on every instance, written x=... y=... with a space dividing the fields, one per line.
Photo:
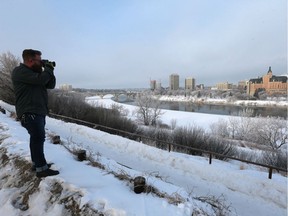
x=269 y=71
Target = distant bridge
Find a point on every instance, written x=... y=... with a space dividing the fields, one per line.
x=122 y=96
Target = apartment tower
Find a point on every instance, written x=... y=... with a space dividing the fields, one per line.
x=174 y=82
x=189 y=83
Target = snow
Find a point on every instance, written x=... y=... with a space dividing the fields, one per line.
x=279 y=102
x=183 y=118
x=247 y=191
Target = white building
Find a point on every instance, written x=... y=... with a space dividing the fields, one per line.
x=65 y=87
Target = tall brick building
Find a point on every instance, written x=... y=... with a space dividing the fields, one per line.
x=269 y=83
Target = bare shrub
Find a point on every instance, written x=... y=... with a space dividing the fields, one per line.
x=275 y=158
x=159 y=135
x=218 y=204
x=120 y=109
x=65 y=103
x=193 y=137
x=269 y=131
x=173 y=123
x=220 y=128
x=249 y=156
x=72 y=105
x=7 y=63
x=160 y=124
x=220 y=146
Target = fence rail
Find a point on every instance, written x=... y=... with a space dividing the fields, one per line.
x=168 y=144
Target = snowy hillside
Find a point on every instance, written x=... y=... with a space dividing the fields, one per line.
x=189 y=184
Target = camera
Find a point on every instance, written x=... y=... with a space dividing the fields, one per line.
x=45 y=61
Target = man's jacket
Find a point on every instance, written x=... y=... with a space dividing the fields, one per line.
x=30 y=89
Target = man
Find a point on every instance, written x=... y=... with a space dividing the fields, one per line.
x=30 y=84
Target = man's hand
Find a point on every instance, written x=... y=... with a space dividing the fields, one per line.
x=49 y=65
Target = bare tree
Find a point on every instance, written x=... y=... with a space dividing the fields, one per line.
x=245 y=129
x=272 y=132
x=148 y=110
x=7 y=63
x=233 y=123
x=275 y=158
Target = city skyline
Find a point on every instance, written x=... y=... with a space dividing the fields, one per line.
x=191 y=81
x=121 y=44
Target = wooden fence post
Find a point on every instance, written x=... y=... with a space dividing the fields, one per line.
x=81 y=155
x=270 y=173
x=210 y=158
x=139 y=184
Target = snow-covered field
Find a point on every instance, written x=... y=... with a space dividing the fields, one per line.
x=245 y=189
x=182 y=118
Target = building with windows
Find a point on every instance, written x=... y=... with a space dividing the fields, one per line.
x=242 y=84
x=174 y=82
x=152 y=84
x=190 y=83
x=158 y=85
x=224 y=86
x=65 y=87
x=269 y=83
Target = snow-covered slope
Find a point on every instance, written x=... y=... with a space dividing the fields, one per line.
x=191 y=181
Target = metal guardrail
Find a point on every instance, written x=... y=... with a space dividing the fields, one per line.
x=169 y=144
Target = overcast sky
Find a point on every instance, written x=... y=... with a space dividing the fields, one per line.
x=125 y=43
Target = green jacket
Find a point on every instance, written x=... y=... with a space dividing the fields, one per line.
x=31 y=89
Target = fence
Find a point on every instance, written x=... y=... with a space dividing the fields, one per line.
x=168 y=144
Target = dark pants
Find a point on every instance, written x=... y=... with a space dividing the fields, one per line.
x=35 y=125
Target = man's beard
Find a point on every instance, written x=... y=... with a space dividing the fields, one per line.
x=37 y=68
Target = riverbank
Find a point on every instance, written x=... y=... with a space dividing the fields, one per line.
x=282 y=102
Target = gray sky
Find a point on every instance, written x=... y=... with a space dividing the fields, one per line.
x=125 y=43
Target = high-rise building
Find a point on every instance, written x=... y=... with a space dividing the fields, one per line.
x=152 y=84
x=158 y=85
x=174 y=82
x=189 y=83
